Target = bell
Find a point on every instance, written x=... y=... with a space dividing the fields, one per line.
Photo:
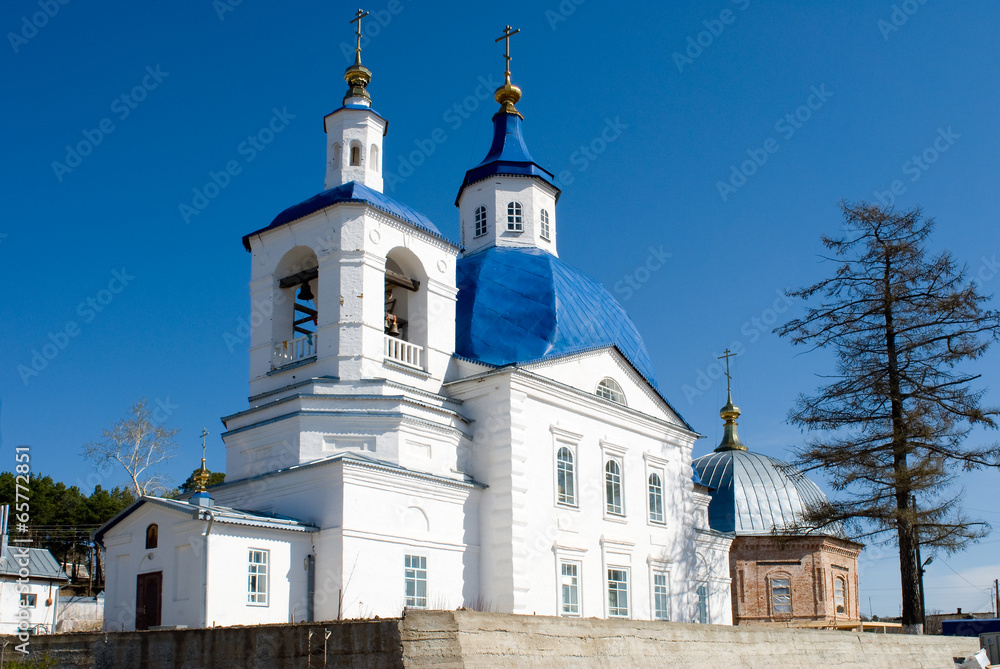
x=305 y=294
x=393 y=329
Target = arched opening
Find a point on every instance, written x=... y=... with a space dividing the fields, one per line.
x=609 y=389
x=840 y=594
x=296 y=311
x=405 y=326
x=152 y=535
x=335 y=157
x=355 y=154
x=480 y=220
x=374 y=158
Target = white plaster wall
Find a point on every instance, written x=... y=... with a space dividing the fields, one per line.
x=495 y=192
x=228 y=549
x=343 y=128
x=10 y=603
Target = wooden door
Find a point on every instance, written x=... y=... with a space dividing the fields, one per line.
x=148 y=595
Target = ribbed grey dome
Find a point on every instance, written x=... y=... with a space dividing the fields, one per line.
x=754 y=493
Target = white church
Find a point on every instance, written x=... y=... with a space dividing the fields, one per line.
x=430 y=425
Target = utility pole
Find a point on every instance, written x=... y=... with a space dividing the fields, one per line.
x=996 y=589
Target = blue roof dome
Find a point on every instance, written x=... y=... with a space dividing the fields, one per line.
x=754 y=493
x=508 y=154
x=518 y=305
x=350 y=192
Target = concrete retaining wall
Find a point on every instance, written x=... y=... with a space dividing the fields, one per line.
x=453 y=639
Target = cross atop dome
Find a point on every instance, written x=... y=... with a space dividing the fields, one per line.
x=508 y=94
x=729 y=413
x=357 y=75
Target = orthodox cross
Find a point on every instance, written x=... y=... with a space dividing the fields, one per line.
x=360 y=14
x=204 y=433
x=727 y=356
x=507 y=33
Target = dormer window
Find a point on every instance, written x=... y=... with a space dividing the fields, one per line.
x=515 y=221
x=480 y=221
x=610 y=390
x=545 y=225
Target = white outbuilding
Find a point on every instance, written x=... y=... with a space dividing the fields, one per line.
x=431 y=425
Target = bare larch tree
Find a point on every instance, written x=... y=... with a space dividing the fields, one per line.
x=138 y=443
x=890 y=426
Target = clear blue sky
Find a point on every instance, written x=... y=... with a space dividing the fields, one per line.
x=868 y=85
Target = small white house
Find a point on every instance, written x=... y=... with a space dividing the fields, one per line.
x=29 y=589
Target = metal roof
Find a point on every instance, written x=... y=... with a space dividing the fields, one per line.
x=754 y=493
x=220 y=514
x=41 y=564
x=351 y=192
x=508 y=154
x=517 y=305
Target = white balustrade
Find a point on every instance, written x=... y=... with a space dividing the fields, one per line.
x=404 y=352
x=293 y=350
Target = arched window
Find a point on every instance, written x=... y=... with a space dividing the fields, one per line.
x=152 y=535
x=655 y=498
x=839 y=594
x=515 y=222
x=781 y=594
x=481 y=221
x=703 y=604
x=610 y=390
x=613 y=487
x=565 y=476
x=374 y=158
x=545 y=225
x=355 y=155
x=335 y=155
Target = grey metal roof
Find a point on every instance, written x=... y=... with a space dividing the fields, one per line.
x=754 y=493
x=41 y=564
x=220 y=514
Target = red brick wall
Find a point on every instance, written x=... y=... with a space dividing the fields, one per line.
x=810 y=563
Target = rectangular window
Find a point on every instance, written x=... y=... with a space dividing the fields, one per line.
x=661 y=601
x=570 y=586
x=618 y=593
x=703 y=604
x=781 y=595
x=838 y=594
x=28 y=600
x=416 y=581
x=257 y=577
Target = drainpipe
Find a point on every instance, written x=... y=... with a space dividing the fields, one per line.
x=208 y=531
x=310 y=586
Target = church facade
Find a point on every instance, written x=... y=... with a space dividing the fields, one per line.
x=429 y=425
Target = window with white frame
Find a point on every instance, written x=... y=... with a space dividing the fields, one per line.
x=515 y=221
x=609 y=389
x=565 y=477
x=29 y=600
x=656 y=498
x=569 y=575
x=839 y=591
x=703 y=604
x=661 y=596
x=613 y=487
x=545 y=225
x=416 y=581
x=617 y=592
x=480 y=219
x=781 y=595
x=257 y=576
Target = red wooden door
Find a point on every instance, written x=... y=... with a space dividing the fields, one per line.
x=148 y=595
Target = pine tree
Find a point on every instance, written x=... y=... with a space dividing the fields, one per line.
x=891 y=424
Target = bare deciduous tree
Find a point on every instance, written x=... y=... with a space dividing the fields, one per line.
x=890 y=425
x=138 y=443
